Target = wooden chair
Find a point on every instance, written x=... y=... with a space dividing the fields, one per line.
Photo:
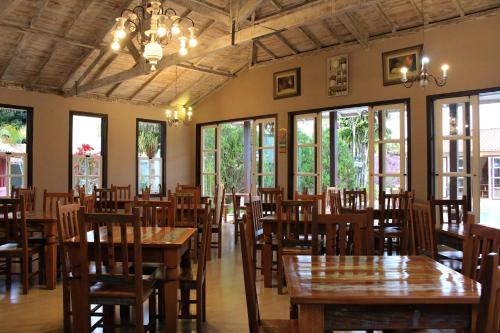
x=423 y=236
x=393 y=223
x=217 y=223
x=255 y=324
x=270 y=198
x=105 y=200
x=354 y=199
x=146 y=193
x=198 y=284
x=50 y=200
x=238 y=210
x=335 y=202
x=29 y=196
x=347 y=234
x=297 y=232
x=189 y=189
x=320 y=199
x=111 y=282
x=158 y=214
x=122 y=192
x=329 y=191
x=453 y=212
x=185 y=209
x=479 y=241
x=489 y=307
x=88 y=203
x=15 y=247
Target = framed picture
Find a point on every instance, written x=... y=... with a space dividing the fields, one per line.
x=337 y=69
x=392 y=62
x=287 y=83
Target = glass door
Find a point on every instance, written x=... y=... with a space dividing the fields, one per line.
x=264 y=152
x=495 y=177
x=307 y=152
x=209 y=154
x=457 y=157
x=387 y=145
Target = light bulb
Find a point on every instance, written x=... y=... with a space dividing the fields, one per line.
x=183 y=48
x=183 y=51
x=192 y=37
x=162 y=31
x=425 y=60
x=168 y=113
x=120 y=34
x=162 y=26
x=115 y=46
x=404 y=71
x=176 y=29
x=445 y=69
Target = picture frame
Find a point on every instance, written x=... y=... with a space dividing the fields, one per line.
x=286 y=83
x=392 y=61
x=337 y=75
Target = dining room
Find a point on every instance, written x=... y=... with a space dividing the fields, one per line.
x=250 y=166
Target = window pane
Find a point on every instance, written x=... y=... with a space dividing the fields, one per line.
x=17 y=182
x=209 y=162
x=268 y=134
x=308 y=182
x=149 y=139
x=391 y=121
x=453 y=122
x=391 y=158
x=306 y=130
x=208 y=138
x=453 y=187
x=208 y=185
x=16 y=166
x=86 y=135
x=268 y=161
x=453 y=152
x=306 y=159
x=325 y=150
x=13 y=130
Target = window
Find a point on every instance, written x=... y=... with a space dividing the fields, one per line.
x=265 y=152
x=88 y=146
x=306 y=148
x=208 y=159
x=150 y=155
x=15 y=147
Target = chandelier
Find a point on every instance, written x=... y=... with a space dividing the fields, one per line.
x=180 y=115
x=155 y=26
x=423 y=75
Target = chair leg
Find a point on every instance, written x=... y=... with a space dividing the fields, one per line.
x=41 y=265
x=280 y=276
x=109 y=318
x=139 y=318
x=124 y=312
x=161 y=303
x=185 y=295
x=235 y=229
x=25 y=273
x=152 y=313
x=219 y=243
x=8 y=273
x=204 y=301
x=66 y=306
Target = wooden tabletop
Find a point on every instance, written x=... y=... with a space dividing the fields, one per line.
x=38 y=217
x=150 y=236
x=376 y=280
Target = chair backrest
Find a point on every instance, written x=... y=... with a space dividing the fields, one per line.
x=236 y=199
x=270 y=198
x=205 y=247
x=296 y=226
x=105 y=200
x=448 y=211
x=146 y=193
x=319 y=198
x=347 y=234
x=122 y=192
x=13 y=219
x=158 y=214
x=355 y=199
x=190 y=189
x=219 y=204
x=111 y=234
x=88 y=203
x=335 y=200
x=479 y=241
x=50 y=200
x=394 y=209
x=489 y=306
x=255 y=206
x=67 y=227
x=249 y=278
x=423 y=238
x=29 y=196
x=185 y=209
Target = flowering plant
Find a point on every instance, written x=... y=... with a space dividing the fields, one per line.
x=84 y=149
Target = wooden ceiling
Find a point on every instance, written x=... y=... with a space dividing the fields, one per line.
x=62 y=46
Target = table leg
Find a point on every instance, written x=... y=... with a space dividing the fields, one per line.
x=267 y=256
x=474 y=315
x=311 y=318
x=50 y=256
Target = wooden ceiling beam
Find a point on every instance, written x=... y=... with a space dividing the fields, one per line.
x=104 y=66
x=41 y=6
x=134 y=52
x=311 y=37
x=417 y=6
x=248 y=8
x=204 y=9
x=205 y=70
x=354 y=28
x=332 y=32
x=7 y=6
x=186 y=90
x=112 y=89
x=305 y=14
x=265 y=49
x=386 y=17
x=252 y=55
x=276 y=4
x=459 y=6
x=285 y=42
x=17 y=51
x=144 y=85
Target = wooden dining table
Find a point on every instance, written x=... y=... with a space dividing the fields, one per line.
x=164 y=245
x=385 y=293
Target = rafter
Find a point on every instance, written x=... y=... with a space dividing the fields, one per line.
x=459 y=6
x=41 y=6
x=311 y=37
x=276 y=4
x=144 y=85
x=248 y=9
x=386 y=17
x=332 y=32
x=252 y=55
x=134 y=52
x=354 y=28
x=7 y=6
x=285 y=42
x=104 y=66
x=265 y=49
x=112 y=89
x=200 y=79
x=206 y=10
x=205 y=70
x=15 y=55
x=308 y=13
x=418 y=8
